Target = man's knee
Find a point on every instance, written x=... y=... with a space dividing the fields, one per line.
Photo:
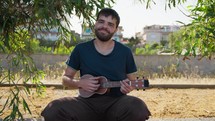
x=51 y=111
x=137 y=107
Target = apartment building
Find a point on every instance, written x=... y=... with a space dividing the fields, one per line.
x=52 y=34
x=156 y=33
x=44 y=34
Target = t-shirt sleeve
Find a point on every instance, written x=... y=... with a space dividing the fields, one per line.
x=74 y=59
x=130 y=64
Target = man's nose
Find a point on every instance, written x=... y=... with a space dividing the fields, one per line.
x=105 y=25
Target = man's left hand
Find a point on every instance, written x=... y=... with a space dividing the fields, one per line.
x=125 y=87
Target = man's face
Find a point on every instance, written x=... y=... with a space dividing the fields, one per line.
x=105 y=27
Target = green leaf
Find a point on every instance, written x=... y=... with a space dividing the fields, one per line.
x=25 y=106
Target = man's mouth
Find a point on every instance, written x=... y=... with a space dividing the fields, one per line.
x=103 y=30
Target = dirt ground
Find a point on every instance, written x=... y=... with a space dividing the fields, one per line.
x=163 y=103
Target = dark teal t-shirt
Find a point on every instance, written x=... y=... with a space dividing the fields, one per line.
x=114 y=66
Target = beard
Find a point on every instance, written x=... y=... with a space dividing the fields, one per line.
x=103 y=37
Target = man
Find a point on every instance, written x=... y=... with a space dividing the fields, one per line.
x=99 y=59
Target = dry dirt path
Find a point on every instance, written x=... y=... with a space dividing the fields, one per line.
x=163 y=103
x=189 y=104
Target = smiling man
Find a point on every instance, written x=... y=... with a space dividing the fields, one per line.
x=100 y=60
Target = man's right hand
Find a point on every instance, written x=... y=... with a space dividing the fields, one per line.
x=90 y=84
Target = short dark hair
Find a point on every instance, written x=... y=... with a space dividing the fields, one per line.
x=109 y=12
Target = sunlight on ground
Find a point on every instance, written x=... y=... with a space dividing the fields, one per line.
x=183 y=81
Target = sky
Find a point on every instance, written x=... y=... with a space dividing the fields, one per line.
x=134 y=15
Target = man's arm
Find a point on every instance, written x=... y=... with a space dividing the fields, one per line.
x=68 y=78
x=88 y=84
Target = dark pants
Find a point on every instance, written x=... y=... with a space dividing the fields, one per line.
x=104 y=108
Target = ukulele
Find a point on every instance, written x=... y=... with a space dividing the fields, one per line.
x=105 y=85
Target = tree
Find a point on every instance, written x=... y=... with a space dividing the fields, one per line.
x=19 y=20
x=133 y=42
x=198 y=37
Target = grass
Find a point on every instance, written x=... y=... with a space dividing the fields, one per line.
x=168 y=75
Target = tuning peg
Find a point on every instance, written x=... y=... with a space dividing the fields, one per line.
x=146 y=83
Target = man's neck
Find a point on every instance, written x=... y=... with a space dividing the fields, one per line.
x=104 y=48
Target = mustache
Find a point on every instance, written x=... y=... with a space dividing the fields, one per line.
x=104 y=29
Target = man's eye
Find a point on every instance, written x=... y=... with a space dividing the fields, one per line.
x=100 y=21
x=111 y=25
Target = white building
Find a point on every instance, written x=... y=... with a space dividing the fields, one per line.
x=157 y=33
x=44 y=34
x=51 y=35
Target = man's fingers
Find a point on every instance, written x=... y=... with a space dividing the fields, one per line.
x=125 y=87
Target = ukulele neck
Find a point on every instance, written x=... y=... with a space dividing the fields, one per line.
x=110 y=84
x=137 y=84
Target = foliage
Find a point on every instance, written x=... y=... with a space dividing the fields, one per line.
x=63 y=50
x=20 y=69
x=175 y=41
x=197 y=38
x=46 y=43
x=17 y=17
x=134 y=41
x=54 y=72
x=148 y=49
x=164 y=42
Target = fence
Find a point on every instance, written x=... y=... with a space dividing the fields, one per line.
x=152 y=63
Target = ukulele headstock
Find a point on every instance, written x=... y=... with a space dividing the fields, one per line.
x=140 y=83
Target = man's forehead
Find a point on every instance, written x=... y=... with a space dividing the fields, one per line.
x=107 y=17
